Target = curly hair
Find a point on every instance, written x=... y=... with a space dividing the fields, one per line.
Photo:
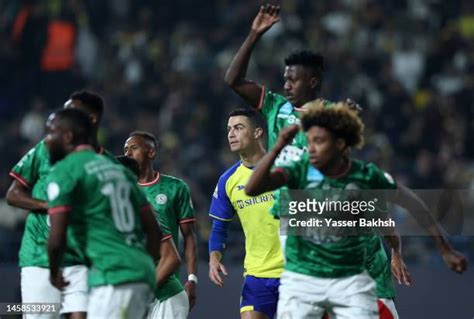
x=338 y=118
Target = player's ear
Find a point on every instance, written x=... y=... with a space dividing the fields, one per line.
x=68 y=136
x=258 y=133
x=151 y=153
x=340 y=144
x=93 y=118
x=313 y=82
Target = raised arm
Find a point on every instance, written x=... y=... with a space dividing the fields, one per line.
x=263 y=179
x=409 y=200
x=235 y=75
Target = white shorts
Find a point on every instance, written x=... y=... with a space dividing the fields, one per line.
x=176 y=307
x=36 y=287
x=127 y=301
x=387 y=309
x=303 y=296
x=74 y=297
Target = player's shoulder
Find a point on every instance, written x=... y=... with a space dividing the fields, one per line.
x=372 y=172
x=229 y=172
x=39 y=149
x=173 y=180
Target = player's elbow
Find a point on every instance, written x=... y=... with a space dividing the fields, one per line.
x=251 y=190
x=175 y=261
x=11 y=197
x=230 y=80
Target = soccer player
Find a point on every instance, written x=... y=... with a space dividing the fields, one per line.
x=303 y=77
x=315 y=280
x=263 y=263
x=28 y=191
x=171 y=200
x=109 y=218
x=302 y=80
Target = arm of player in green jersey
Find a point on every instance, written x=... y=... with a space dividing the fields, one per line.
x=169 y=261
x=19 y=196
x=190 y=255
x=399 y=269
x=152 y=231
x=235 y=75
x=410 y=201
x=57 y=246
x=263 y=179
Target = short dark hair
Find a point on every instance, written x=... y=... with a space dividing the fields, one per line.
x=338 y=118
x=129 y=163
x=78 y=122
x=256 y=120
x=91 y=101
x=308 y=59
x=147 y=136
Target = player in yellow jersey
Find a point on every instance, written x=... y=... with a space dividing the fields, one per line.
x=263 y=263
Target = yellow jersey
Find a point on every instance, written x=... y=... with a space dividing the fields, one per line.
x=263 y=254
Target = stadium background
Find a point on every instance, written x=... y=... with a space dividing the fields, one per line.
x=160 y=67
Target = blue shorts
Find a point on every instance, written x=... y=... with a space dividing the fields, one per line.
x=260 y=294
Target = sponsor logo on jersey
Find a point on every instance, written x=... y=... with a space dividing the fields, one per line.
x=287 y=108
x=240 y=187
x=314 y=175
x=241 y=204
x=161 y=199
x=293 y=119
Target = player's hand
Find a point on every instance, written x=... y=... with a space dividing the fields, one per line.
x=214 y=269
x=286 y=136
x=455 y=260
x=57 y=280
x=400 y=270
x=266 y=17
x=190 y=288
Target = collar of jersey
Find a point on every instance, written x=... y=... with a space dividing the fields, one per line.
x=153 y=182
x=83 y=147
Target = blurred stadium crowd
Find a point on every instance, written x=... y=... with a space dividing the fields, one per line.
x=160 y=67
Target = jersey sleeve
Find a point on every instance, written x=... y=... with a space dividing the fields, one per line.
x=164 y=223
x=269 y=103
x=221 y=207
x=381 y=179
x=26 y=171
x=185 y=207
x=60 y=190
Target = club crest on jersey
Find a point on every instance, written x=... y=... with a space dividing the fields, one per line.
x=53 y=191
x=161 y=199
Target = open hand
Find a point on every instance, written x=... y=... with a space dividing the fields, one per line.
x=267 y=16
